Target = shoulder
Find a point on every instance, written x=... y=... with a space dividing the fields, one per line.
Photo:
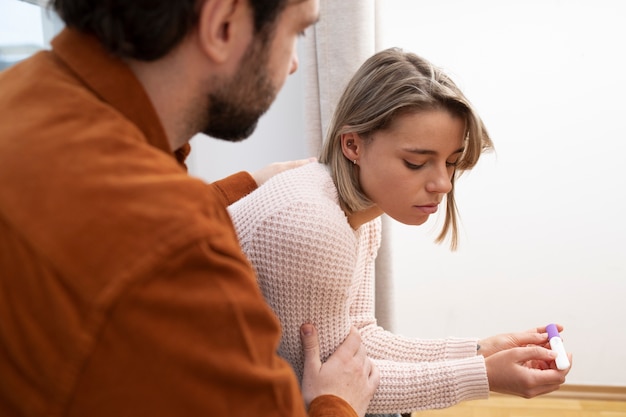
x=302 y=201
x=310 y=182
x=304 y=191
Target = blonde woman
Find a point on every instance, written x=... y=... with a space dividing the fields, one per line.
x=401 y=134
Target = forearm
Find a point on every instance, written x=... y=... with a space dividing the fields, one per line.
x=406 y=387
x=382 y=344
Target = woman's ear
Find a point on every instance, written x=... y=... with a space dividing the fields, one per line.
x=222 y=27
x=351 y=145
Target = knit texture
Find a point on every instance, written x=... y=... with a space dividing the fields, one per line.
x=313 y=267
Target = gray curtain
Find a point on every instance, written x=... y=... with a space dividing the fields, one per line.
x=334 y=49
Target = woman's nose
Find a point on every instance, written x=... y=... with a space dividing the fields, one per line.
x=441 y=182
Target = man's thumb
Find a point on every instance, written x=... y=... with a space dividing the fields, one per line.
x=311 y=347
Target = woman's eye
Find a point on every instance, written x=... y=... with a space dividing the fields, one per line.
x=453 y=163
x=413 y=166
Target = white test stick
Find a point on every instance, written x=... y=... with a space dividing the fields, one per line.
x=556 y=343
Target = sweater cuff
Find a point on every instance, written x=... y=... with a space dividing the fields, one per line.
x=460 y=348
x=330 y=406
x=471 y=379
x=235 y=186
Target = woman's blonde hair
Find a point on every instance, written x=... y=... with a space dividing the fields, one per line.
x=390 y=83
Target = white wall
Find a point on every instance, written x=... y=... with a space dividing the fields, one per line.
x=543 y=218
x=278 y=137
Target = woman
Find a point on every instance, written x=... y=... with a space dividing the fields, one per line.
x=401 y=134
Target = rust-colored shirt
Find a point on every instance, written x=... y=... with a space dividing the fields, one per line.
x=123 y=289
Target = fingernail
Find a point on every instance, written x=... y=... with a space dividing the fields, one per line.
x=306 y=329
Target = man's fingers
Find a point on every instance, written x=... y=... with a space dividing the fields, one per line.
x=311 y=347
x=352 y=346
x=374 y=373
x=300 y=162
x=267 y=172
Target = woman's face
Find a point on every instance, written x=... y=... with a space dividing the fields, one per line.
x=406 y=169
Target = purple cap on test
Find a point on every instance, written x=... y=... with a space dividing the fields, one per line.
x=552 y=331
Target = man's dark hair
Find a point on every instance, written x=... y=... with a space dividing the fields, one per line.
x=148 y=29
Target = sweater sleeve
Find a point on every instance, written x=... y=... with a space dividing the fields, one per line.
x=382 y=344
x=415 y=373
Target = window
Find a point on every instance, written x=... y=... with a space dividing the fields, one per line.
x=25 y=27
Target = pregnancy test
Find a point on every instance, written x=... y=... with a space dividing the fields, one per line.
x=556 y=343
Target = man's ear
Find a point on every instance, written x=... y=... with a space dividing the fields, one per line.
x=224 y=26
x=351 y=146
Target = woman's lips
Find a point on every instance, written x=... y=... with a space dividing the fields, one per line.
x=428 y=209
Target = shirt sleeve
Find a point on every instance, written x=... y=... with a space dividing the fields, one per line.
x=234 y=187
x=330 y=406
x=193 y=337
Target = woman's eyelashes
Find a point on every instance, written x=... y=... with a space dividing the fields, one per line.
x=413 y=166
x=409 y=165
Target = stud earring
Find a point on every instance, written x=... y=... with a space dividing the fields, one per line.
x=354 y=161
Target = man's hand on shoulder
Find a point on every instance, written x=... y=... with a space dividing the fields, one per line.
x=269 y=171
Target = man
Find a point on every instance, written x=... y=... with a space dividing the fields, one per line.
x=123 y=290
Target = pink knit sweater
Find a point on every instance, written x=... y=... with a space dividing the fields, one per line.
x=313 y=267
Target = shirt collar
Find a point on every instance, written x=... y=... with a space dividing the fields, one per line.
x=108 y=77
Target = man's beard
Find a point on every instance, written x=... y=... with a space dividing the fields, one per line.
x=236 y=106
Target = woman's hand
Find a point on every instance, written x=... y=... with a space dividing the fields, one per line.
x=537 y=336
x=524 y=371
